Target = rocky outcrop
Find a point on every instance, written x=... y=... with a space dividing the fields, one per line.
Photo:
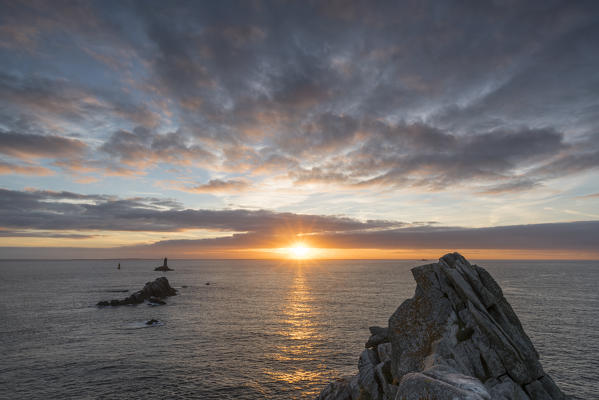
x=152 y=291
x=163 y=267
x=457 y=339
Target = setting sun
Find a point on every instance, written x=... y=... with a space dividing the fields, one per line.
x=299 y=251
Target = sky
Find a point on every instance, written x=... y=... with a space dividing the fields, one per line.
x=238 y=129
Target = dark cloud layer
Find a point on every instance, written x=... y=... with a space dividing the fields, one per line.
x=26 y=146
x=571 y=236
x=582 y=236
x=58 y=98
x=396 y=94
x=45 y=210
x=141 y=147
x=46 y=214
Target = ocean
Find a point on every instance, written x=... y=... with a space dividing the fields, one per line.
x=259 y=330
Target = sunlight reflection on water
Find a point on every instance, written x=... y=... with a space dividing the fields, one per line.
x=301 y=333
x=261 y=329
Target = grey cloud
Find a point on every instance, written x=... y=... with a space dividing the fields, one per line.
x=46 y=210
x=568 y=164
x=423 y=94
x=516 y=185
x=32 y=146
x=420 y=155
x=318 y=175
x=141 y=147
x=73 y=102
x=554 y=86
x=54 y=235
x=55 y=214
x=581 y=236
x=220 y=186
x=123 y=153
x=323 y=133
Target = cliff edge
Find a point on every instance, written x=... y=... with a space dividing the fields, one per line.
x=457 y=339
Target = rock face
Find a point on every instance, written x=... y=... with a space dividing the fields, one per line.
x=152 y=290
x=457 y=339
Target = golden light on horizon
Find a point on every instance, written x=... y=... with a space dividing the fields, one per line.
x=300 y=251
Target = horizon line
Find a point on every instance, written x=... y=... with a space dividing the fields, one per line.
x=292 y=259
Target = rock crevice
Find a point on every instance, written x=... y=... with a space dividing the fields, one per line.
x=457 y=339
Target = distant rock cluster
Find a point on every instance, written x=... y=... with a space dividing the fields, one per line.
x=153 y=292
x=457 y=339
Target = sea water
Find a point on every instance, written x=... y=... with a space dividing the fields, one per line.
x=258 y=330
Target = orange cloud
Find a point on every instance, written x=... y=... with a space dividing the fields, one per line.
x=7 y=169
x=220 y=186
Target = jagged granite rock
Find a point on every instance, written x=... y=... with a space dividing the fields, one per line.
x=156 y=290
x=342 y=388
x=457 y=339
x=378 y=336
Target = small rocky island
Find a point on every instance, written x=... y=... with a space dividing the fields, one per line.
x=457 y=339
x=163 y=267
x=153 y=292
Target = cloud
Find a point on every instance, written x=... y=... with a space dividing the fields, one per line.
x=220 y=186
x=38 y=234
x=419 y=155
x=27 y=146
x=141 y=148
x=568 y=164
x=123 y=153
x=516 y=185
x=569 y=236
x=8 y=168
x=57 y=101
x=564 y=236
x=53 y=213
x=378 y=154
x=497 y=98
x=47 y=210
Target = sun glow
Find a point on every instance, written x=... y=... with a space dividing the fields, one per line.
x=299 y=251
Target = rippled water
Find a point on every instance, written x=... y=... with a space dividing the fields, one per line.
x=261 y=329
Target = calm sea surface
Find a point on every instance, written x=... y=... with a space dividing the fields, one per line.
x=261 y=329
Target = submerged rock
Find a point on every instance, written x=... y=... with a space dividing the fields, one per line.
x=152 y=290
x=156 y=301
x=457 y=339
